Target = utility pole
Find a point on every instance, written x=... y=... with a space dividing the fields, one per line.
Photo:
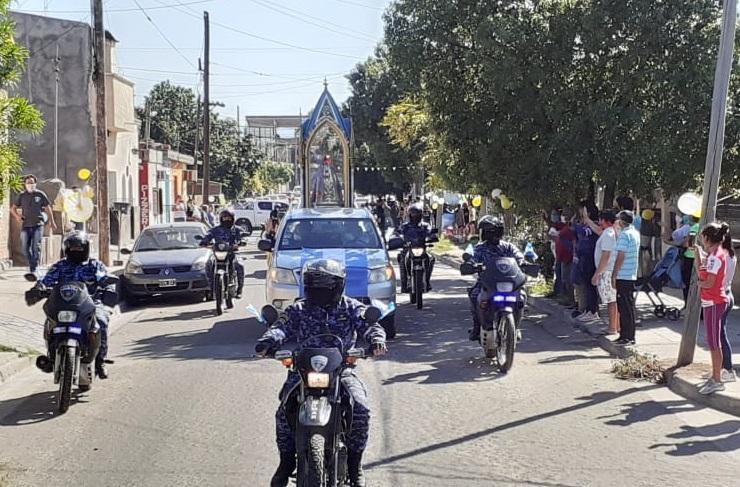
x=148 y=124
x=713 y=166
x=56 y=115
x=101 y=134
x=207 y=110
x=197 y=137
x=238 y=123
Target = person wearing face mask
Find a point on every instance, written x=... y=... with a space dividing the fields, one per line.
x=32 y=209
x=227 y=232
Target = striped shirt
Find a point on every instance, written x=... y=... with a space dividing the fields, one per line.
x=628 y=242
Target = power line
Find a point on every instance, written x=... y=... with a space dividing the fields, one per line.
x=173 y=46
x=111 y=10
x=262 y=38
x=230 y=49
x=303 y=17
x=358 y=4
x=255 y=93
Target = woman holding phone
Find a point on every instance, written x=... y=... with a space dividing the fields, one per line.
x=711 y=262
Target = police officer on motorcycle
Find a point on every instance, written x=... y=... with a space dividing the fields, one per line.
x=324 y=310
x=491 y=247
x=78 y=266
x=227 y=232
x=415 y=231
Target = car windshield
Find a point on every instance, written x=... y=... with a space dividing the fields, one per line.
x=173 y=238
x=330 y=233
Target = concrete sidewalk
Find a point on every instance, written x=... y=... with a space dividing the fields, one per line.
x=660 y=337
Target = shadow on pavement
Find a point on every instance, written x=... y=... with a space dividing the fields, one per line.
x=35 y=408
x=164 y=301
x=261 y=274
x=715 y=441
x=559 y=359
x=587 y=401
x=639 y=412
x=183 y=316
x=225 y=340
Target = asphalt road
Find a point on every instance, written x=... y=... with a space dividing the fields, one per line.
x=188 y=405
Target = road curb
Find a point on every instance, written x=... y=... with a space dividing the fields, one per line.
x=11 y=367
x=681 y=381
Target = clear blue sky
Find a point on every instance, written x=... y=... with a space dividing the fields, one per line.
x=263 y=77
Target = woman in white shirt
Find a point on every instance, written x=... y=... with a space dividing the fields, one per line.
x=728 y=374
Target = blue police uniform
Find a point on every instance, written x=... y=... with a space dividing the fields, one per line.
x=92 y=273
x=416 y=234
x=232 y=236
x=344 y=320
x=486 y=253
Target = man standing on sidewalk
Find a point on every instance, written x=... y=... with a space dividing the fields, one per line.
x=32 y=208
x=625 y=274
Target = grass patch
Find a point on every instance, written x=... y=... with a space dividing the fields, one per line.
x=21 y=353
x=541 y=288
x=640 y=367
x=444 y=246
x=5 y=348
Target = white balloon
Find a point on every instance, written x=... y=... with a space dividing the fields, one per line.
x=496 y=193
x=689 y=203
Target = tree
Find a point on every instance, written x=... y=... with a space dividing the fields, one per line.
x=269 y=177
x=174 y=109
x=16 y=113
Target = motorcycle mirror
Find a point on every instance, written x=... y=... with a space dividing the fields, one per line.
x=395 y=243
x=467 y=257
x=110 y=280
x=269 y=314
x=265 y=245
x=128 y=251
x=198 y=237
x=532 y=270
x=372 y=314
x=435 y=231
x=30 y=277
x=467 y=269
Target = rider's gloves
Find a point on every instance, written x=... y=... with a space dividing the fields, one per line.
x=379 y=348
x=264 y=347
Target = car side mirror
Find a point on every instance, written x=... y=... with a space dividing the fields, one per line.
x=269 y=314
x=372 y=315
x=466 y=257
x=198 y=237
x=265 y=245
x=467 y=269
x=125 y=251
x=395 y=243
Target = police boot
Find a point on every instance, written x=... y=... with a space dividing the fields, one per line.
x=354 y=469
x=100 y=369
x=284 y=470
x=474 y=333
x=239 y=292
x=44 y=364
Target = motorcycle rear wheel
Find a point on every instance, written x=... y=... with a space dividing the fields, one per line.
x=65 y=381
x=507 y=343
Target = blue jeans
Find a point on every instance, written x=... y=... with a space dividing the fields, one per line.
x=31 y=243
x=723 y=340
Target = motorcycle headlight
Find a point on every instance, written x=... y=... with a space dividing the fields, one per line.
x=417 y=251
x=282 y=276
x=317 y=380
x=382 y=274
x=221 y=254
x=504 y=287
x=66 y=316
x=133 y=267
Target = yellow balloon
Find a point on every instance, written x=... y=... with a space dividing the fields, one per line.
x=697 y=214
x=477 y=201
x=648 y=214
x=435 y=206
x=84 y=174
x=506 y=203
x=88 y=191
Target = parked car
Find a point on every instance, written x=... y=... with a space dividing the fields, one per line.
x=251 y=214
x=167 y=259
x=346 y=234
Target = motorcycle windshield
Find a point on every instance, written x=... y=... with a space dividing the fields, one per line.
x=502 y=270
x=69 y=296
x=325 y=360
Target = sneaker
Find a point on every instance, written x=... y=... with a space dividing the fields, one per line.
x=727 y=376
x=588 y=317
x=711 y=387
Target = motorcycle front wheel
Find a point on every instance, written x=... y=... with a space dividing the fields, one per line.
x=219 y=292
x=419 y=285
x=67 y=367
x=507 y=342
x=311 y=463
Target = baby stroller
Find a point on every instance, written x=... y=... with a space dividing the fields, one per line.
x=667 y=272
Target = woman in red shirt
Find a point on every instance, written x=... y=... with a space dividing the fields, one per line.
x=711 y=263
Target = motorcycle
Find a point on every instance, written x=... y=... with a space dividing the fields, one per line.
x=224 y=276
x=416 y=261
x=72 y=335
x=500 y=305
x=318 y=412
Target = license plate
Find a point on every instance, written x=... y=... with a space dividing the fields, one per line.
x=167 y=282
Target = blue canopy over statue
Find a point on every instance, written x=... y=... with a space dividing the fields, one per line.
x=326 y=155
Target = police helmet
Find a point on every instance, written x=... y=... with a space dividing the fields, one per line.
x=323 y=281
x=416 y=211
x=76 y=247
x=226 y=218
x=491 y=229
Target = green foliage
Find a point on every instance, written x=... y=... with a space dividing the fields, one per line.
x=269 y=177
x=639 y=367
x=16 y=113
x=542 y=99
x=174 y=109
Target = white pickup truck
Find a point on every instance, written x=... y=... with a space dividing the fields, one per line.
x=251 y=214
